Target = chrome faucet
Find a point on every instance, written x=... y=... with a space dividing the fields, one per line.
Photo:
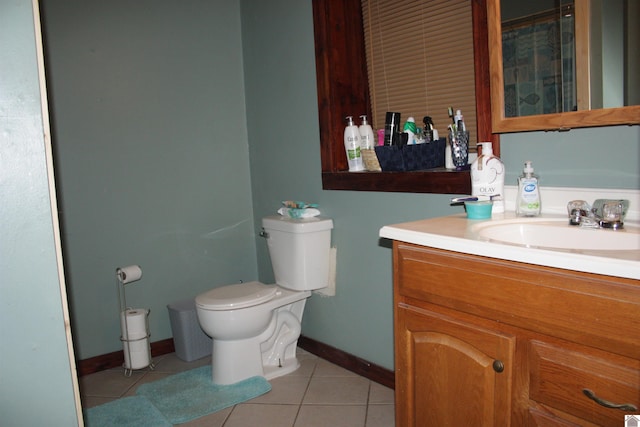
x=605 y=213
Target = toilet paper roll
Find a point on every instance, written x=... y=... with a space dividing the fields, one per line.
x=128 y=274
x=136 y=354
x=133 y=323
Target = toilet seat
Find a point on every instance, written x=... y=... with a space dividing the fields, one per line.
x=240 y=295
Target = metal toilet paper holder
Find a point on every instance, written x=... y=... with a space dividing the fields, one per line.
x=125 y=275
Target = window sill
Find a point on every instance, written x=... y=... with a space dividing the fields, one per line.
x=438 y=180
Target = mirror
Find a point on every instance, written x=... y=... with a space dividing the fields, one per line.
x=579 y=93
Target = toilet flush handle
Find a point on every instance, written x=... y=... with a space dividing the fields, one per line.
x=264 y=234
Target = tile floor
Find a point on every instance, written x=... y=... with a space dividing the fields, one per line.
x=318 y=394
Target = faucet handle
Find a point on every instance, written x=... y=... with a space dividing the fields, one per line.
x=611 y=209
x=578 y=210
x=611 y=213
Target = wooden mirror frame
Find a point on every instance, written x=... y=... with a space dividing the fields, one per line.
x=343 y=90
x=555 y=121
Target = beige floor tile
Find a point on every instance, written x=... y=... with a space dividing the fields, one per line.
x=328 y=369
x=307 y=367
x=381 y=394
x=337 y=391
x=334 y=416
x=109 y=383
x=381 y=416
x=304 y=354
x=171 y=363
x=287 y=390
x=216 y=419
x=245 y=415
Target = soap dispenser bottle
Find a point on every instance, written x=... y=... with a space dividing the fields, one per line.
x=352 y=146
x=367 y=141
x=487 y=177
x=528 y=199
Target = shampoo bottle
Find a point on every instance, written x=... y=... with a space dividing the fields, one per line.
x=487 y=177
x=528 y=199
x=352 y=146
x=367 y=141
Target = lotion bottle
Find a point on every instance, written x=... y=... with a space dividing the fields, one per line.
x=367 y=140
x=352 y=146
x=487 y=177
x=528 y=199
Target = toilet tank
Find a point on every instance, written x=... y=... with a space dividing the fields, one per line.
x=299 y=251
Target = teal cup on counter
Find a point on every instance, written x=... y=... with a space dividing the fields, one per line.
x=480 y=209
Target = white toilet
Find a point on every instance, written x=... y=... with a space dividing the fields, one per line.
x=255 y=327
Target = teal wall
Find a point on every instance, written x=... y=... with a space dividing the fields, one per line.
x=36 y=379
x=151 y=153
x=604 y=157
x=179 y=125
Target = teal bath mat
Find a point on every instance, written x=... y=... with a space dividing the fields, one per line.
x=192 y=394
x=135 y=411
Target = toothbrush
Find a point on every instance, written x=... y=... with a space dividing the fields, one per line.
x=453 y=126
x=473 y=198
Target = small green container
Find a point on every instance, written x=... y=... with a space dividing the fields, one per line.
x=479 y=209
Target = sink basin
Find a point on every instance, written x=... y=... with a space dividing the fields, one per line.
x=557 y=234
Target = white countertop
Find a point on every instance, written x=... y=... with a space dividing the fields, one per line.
x=453 y=233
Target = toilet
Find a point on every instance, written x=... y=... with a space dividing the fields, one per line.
x=255 y=326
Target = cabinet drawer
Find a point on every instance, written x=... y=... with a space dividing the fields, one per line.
x=558 y=378
x=584 y=308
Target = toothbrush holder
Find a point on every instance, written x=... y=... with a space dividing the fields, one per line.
x=459 y=142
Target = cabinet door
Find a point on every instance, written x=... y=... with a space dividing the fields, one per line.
x=451 y=373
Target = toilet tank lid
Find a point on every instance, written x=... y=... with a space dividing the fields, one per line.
x=297 y=225
x=239 y=295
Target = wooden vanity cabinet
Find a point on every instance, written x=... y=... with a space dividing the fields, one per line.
x=487 y=342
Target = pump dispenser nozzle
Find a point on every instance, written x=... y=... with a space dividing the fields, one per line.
x=487 y=148
x=528 y=169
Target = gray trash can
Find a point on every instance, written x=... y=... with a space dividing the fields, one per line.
x=190 y=341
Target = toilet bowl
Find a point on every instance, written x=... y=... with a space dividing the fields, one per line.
x=254 y=326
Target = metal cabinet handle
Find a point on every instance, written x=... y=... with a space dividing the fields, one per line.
x=498 y=366
x=623 y=407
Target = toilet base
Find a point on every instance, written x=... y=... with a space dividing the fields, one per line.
x=289 y=366
x=270 y=354
x=234 y=361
